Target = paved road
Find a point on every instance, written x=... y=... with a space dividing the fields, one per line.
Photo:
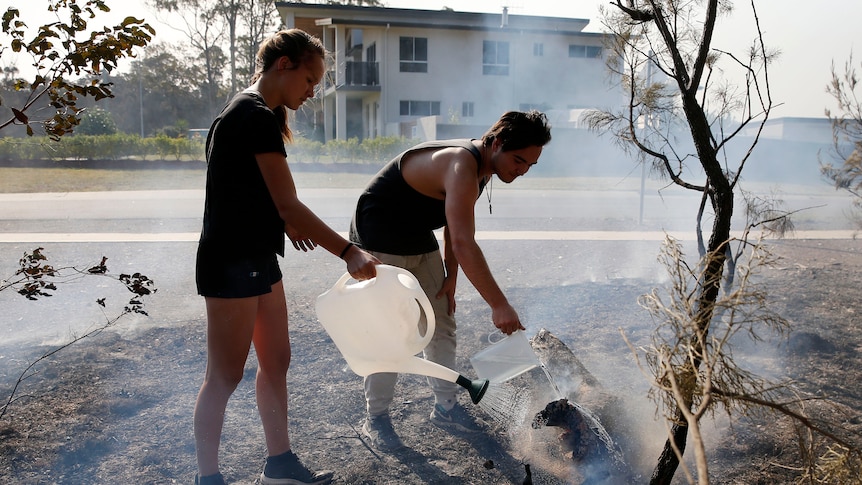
x=533 y=238
x=174 y=215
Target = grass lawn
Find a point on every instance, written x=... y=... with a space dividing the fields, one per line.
x=25 y=180
x=60 y=179
x=28 y=180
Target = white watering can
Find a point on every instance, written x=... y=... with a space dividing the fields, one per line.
x=377 y=326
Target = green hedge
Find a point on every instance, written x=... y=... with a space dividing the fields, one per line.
x=122 y=146
x=118 y=146
x=371 y=150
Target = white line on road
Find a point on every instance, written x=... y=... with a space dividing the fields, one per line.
x=87 y=237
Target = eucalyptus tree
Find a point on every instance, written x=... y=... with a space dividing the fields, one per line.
x=687 y=104
x=249 y=23
x=205 y=29
x=157 y=91
x=259 y=19
x=236 y=27
x=694 y=113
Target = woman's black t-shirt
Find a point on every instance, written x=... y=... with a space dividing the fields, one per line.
x=240 y=219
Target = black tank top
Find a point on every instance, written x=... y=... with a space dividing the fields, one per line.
x=392 y=217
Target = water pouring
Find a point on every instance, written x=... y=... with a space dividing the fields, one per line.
x=378 y=326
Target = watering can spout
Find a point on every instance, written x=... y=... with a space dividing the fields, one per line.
x=476 y=387
x=386 y=313
x=417 y=365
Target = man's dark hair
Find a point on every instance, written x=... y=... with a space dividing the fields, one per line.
x=519 y=129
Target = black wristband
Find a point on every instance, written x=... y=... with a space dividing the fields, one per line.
x=344 y=251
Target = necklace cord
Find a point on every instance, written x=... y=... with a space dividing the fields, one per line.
x=490 y=186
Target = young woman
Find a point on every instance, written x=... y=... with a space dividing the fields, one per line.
x=251 y=203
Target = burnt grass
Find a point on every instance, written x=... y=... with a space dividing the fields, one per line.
x=116 y=407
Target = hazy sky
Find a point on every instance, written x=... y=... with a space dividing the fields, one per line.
x=810 y=38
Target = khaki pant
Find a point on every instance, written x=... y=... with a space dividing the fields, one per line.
x=428 y=270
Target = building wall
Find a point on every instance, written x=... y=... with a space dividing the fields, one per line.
x=455 y=75
x=789 y=149
x=550 y=81
x=809 y=130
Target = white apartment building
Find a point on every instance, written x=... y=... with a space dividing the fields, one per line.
x=436 y=74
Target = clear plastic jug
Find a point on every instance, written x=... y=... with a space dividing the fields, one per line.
x=505 y=359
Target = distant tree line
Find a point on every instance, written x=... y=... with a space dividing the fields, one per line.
x=169 y=87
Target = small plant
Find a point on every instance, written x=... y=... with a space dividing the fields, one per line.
x=36 y=279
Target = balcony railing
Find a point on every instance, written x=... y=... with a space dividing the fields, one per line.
x=361 y=74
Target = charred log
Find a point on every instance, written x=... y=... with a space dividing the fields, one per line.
x=575 y=434
x=594 y=453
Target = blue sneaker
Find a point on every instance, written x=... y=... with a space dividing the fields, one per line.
x=456 y=420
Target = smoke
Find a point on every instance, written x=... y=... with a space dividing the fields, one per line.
x=84 y=302
x=581 y=422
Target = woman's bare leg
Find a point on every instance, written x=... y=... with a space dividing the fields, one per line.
x=272 y=344
x=230 y=324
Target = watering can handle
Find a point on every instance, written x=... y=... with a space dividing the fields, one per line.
x=430 y=320
x=341 y=283
x=419 y=295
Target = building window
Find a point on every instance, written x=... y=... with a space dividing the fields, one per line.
x=420 y=108
x=413 y=54
x=538 y=49
x=371 y=53
x=585 y=51
x=495 y=58
x=467 y=109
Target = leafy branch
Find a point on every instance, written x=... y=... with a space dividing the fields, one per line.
x=64 y=48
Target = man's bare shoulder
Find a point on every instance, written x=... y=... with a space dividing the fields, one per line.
x=440 y=171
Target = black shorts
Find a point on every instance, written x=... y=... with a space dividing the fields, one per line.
x=242 y=278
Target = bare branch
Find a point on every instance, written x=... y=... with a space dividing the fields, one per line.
x=36 y=279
